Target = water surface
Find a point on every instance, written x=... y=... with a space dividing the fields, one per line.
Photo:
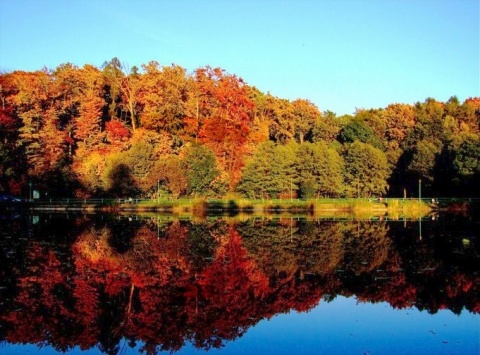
x=125 y=284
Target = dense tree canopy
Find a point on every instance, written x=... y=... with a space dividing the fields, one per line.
x=271 y=172
x=319 y=170
x=366 y=170
x=87 y=131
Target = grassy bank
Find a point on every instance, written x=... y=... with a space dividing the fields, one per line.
x=362 y=207
x=394 y=208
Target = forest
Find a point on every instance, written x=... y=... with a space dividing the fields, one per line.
x=120 y=131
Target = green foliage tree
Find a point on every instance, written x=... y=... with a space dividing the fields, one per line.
x=201 y=169
x=140 y=160
x=256 y=175
x=113 y=75
x=423 y=161
x=319 y=170
x=326 y=128
x=460 y=168
x=467 y=157
x=118 y=179
x=7 y=163
x=375 y=120
x=366 y=170
x=270 y=172
x=357 y=130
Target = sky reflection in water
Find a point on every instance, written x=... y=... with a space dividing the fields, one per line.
x=342 y=326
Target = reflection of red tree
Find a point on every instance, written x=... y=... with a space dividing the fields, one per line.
x=42 y=305
x=390 y=285
x=86 y=293
x=229 y=287
x=233 y=270
x=458 y=284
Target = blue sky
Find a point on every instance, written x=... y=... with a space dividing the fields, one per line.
x=341 y=55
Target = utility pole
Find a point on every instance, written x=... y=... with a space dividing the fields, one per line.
x=420 y=227
x=419 y=189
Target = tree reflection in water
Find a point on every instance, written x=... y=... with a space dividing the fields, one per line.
x=91 y=281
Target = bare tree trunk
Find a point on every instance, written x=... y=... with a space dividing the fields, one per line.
x=130 y=298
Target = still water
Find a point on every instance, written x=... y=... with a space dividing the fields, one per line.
x=116 y=284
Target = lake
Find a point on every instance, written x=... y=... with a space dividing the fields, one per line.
x=124 y=284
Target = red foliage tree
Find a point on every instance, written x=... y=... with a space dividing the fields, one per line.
x=225 y=118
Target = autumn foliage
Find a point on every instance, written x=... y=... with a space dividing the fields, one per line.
x=65 y=130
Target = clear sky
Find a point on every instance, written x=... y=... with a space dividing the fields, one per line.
x=339 y=54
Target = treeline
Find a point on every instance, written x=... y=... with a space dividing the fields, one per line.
x=115 y=131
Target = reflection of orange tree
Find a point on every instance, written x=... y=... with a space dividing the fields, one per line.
x=147 y=254
x=148 y=261
x=149 y=278
x=160 y=316
x=134 y=283
x=439 y=289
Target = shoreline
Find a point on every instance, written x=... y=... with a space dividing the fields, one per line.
x=199 y=207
